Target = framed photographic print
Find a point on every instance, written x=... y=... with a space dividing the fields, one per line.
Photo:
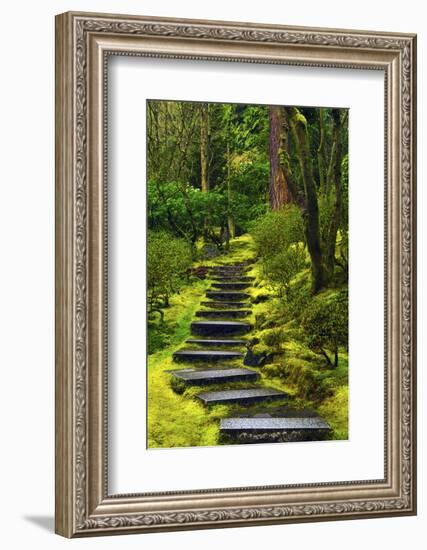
x=235 y=274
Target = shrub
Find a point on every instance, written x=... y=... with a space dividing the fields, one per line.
x=293 y=307
x=325 y=324
x=282 y=268
x=168 y=260
x=277 y=230
x=279 y=237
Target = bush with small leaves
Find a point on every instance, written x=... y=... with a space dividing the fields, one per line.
x=282 y=268
x=325 y=324
x=168 y=260
x=277 y=230
x=279 y=238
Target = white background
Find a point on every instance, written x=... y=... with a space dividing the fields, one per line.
x=132 y=80
x=26 y=299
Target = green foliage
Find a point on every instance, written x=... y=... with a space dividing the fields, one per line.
x=277 y=230
x=190 y=214
x=312 y=383
x=335 y=411
x=325 y=324
x=301 y=329
x=282 y=268
x=344 y=178
x=175 y=416
x=171 y=131
x=168 y=260
x=243 y=210
x=246 y=126
x=274 y=338
x=297 y=300
x=249 y=176
x=278 y=237
x=184 y=210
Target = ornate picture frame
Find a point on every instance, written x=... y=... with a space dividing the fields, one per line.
x=84 y=42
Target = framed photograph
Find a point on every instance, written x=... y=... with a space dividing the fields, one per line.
x=235 y=274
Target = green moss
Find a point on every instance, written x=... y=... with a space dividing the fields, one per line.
x=335 y=411
x=163 y=336
x=176 y=418
x=300 y=119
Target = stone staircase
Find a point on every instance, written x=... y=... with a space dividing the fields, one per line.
x=221 y=324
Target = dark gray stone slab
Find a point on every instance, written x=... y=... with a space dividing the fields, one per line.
x=213 y=376
x=232 y=279
x=229 y=269
x=230 y=266
x=227 y=296
x=224 y=313
x=219 y=328
x=269 y=424
x=206 y=355
x=246 y=396
x=231 y=286
x=216 y=342
x=226 y=305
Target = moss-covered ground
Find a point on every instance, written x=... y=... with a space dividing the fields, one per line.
x=177 y=419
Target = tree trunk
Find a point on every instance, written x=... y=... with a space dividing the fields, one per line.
x=230 y=220
x=326 y=356
x=204 y=138
x=298 y=126
x=335 y=177
x=321 y=152
x=278 y=190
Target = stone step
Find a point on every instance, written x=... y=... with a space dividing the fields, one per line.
x=245 y=263
x=245 y=396
x=229 y=270
x=224 y=313
x=216 y=342
x=272 y=424
x=226 y=305
x=231 y=286
x=227 y=296
x=206 y=355
x=219 y=328
x=214 y=376
x=232 y=278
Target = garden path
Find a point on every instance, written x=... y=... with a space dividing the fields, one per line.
x=215 y=356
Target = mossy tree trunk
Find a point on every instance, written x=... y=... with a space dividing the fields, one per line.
x=308 y=199
x=204 y=146
x=278 y=188
x=231 y=227
x=321 y=151
x=335 y=180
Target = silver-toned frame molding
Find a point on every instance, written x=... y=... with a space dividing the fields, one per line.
x=83 y=43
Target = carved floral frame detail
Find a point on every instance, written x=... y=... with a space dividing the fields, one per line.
x=83 y=44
